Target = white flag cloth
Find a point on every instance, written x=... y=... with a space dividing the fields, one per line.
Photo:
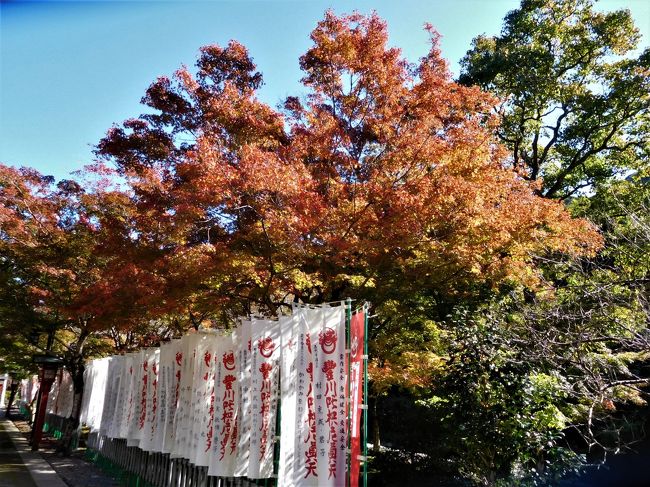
x=265 y=374
x=85 y=399
x=139 y=392
x=52 y=399
x=60 y=400
x=316 y=457
x=244 y=351
x=112 y=410
x=150 y=402
x=164 y=392
x=225 y=407
x=132 y=389
x=291 y=464
x=173 y=373
x=203 y=399
x=28 y=388
x=126 y=396
x=183 y=416
x=92 y=405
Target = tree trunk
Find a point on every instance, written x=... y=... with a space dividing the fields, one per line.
x=71 y=426
x=13 y=388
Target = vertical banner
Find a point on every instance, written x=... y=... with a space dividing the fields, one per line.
x=203 y=399
x=89 y=376
x=184 y=413
x=291 y=441
x=244 y=422
x=223 y=455
x=357 y=338
x=64 y=395
x=265 y=373
x=149 y=414
x=172 y=362
x=94 y=393
x=128 y=394
x=140 y=378
x=112 y=405
x=327 y=337
x=165 y=362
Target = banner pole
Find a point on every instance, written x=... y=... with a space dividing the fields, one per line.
x=348 y=327
x=365 y=396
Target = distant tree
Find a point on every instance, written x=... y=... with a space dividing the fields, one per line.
x=575 y=102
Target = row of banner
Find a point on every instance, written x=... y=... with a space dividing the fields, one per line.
x=213 y=398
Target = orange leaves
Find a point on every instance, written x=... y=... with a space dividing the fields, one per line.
x=385 y=168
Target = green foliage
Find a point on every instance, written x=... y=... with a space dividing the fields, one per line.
x=575 y=109
x=499 y=411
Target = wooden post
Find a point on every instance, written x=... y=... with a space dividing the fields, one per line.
x=46 y=384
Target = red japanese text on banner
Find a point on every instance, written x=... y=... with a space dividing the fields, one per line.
x=182 y=418
x=327 y=337
x=203 y=399
x=139 y=384
x=225 y=438
x=126 y=396
x=163 y=396
x=112 y=407
x=151 y=407
x=294 y=429
x=172 y=364
x=265 y=373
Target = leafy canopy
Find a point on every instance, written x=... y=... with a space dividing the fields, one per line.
x=575 y=102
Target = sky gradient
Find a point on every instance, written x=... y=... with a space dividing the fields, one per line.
x=69 y=70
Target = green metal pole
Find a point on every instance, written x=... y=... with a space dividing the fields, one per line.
x=348 y=327
x=365 y=396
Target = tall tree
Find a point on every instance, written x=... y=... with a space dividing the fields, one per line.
x=384 y=183
x=383 y=178
x=575 y=102
x=49 y=267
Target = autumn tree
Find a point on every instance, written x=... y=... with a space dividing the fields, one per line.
x=574 y=105
x=51 y=266
x=385 y=175
x=384 y=182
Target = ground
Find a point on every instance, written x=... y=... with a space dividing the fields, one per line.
x=74 y=470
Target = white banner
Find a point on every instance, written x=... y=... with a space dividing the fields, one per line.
x=265 y=374
x=203 y=399
x=225 y=406
x=183 y=417
x=244 y=350
x=173 y=374
x=321 y=424
x=149 y=413
x=92 y=403
x=112 y=413
x=138 y=392
x=292 y=379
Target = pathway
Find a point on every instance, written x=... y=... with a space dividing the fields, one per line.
x=19 y=466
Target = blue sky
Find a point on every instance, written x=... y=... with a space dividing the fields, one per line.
x=71 y=69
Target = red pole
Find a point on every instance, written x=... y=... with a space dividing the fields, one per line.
x=37 y=434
